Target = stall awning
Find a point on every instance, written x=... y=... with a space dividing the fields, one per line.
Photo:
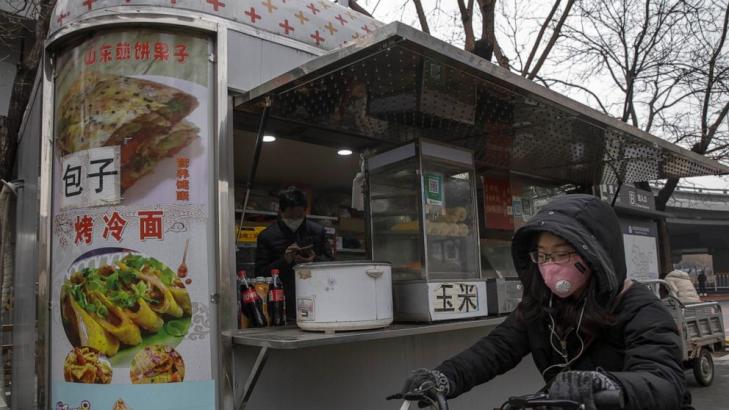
x=401 y=83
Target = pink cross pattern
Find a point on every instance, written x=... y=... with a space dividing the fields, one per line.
x=286 y=27
x=313 y=8
x=216 y=4
x=341 y=19
x=252 y=14
x=61 y=17
x=317 y=37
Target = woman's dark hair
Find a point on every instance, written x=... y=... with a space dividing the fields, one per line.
x=291 y=198
x=535 y=303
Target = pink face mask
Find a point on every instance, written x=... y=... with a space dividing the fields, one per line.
x=565 y=279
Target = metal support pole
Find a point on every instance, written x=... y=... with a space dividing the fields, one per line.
x=256 y=156
x=253 y=377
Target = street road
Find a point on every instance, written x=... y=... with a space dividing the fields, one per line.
x=713 y=397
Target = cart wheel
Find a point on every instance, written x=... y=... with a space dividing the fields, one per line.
x=704 y=367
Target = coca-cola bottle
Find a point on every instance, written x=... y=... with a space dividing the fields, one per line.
x=276 y=300
x=251 y=303
x=243 y=321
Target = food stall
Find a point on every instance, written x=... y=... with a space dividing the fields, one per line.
x=146 y=136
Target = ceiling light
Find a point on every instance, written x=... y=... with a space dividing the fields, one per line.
x=269 y=138
x=344 y=152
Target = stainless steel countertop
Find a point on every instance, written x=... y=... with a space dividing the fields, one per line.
x=291 y=337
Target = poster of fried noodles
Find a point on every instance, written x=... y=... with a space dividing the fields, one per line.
x=131 y=242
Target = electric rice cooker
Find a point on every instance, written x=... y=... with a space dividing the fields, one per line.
x=347 y=295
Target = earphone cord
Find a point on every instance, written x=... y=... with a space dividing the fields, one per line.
x=564 y=353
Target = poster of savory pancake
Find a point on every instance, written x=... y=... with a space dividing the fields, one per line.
x=132 y=240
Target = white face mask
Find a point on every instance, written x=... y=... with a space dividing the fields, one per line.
x=293 y=224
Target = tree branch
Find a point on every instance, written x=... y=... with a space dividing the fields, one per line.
x=552 y=40
x=706 y=138
x=538 y=41
x=579 y=87
x=421 y=16
x=467 y=20
x=356 y=7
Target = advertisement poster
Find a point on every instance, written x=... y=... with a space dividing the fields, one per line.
x=131 y=321
x=498 y=203
x=641 y=250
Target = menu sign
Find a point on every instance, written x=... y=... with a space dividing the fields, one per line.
x=498 y=203
x=131 y=263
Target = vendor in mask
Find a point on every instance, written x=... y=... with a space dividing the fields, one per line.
x=291 y=240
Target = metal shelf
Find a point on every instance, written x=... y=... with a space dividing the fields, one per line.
x=408 y=194
x=362 y=251
x=290 y=337
x=399 y=233
x=376 y=214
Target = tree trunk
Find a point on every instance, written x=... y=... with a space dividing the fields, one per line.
x=22 y=87
x=467 y=20
x=665 y=250
x=488 y=32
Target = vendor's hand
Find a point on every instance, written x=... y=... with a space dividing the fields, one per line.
x=299 y=258
x=581 y=386
x=291 y=252
x=423 y=385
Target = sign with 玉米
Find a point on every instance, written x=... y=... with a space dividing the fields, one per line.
x=454 y=300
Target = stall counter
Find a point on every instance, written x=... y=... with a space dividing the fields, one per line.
x=291 y=338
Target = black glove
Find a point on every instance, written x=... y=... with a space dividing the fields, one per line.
x=424 y=385
x=581 y=386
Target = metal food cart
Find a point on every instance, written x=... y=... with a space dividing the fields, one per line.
x=254 y=66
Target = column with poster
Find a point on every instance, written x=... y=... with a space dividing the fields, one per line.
x=132 y=262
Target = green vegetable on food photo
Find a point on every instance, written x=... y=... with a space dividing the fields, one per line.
x=125 y=305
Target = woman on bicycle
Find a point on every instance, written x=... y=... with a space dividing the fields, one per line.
x=587 y=327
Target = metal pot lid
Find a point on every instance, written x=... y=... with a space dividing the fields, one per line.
x=338 y=264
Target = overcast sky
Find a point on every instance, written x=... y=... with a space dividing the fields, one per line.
x=444 y=21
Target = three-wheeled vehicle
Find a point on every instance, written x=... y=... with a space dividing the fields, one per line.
x=701 y=327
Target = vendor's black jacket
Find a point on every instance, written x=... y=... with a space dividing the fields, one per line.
x=270 y=249
x=642 y=350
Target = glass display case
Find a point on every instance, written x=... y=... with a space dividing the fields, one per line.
x=424 y=221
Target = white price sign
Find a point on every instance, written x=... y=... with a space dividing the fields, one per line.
x=457 y=299
x=90 y=178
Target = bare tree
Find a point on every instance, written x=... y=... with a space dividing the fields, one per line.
x=707 y=86
x=667 y=66
x=39 y=12
x=663 y=59
x=486 y=43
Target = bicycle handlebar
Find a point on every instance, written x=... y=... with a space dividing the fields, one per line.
x=604 y=400
x=609 y=400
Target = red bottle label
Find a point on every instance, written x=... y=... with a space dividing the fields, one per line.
x=249 y=296
x=276 y=295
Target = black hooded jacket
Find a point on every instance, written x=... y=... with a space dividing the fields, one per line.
x=271 y=247
x=641 y=348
